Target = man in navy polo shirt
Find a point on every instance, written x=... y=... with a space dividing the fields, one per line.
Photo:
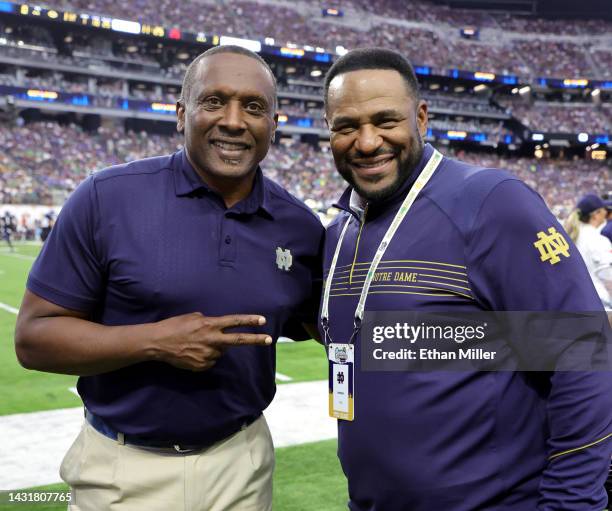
x=162 y=285
x=452 y=441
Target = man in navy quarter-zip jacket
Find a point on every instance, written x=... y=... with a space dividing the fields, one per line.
x=453 y=441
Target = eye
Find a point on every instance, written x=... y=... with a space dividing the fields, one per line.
x=255 y=107
x=344 y=130
x=387 y=124
x=211 y=102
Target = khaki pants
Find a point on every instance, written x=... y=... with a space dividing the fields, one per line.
x=234 y=474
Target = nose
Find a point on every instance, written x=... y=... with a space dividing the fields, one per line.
x=368 y=140
x=233 y=117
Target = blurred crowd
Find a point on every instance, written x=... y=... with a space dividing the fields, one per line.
x=502 y=48
x=559 y=182
x=564 y=118
x=43 y=162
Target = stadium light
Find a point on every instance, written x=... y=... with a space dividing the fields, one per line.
x=341 y=50
x=599 y=155
x=595 y=92
x=537 y=137
x=515 y=90
x=583 y=137
x=480 y=87
x=315 y=73
x=129 y=27
x=524 y=90
x=249 y=44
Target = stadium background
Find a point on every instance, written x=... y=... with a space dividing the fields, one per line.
x=524 y=85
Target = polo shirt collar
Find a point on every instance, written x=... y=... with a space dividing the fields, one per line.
x=349 y=197
x=187 y=181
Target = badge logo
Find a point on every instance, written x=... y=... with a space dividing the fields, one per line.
x=551 y=246
x=284 y=259
x=340 y=377
x=340 y=355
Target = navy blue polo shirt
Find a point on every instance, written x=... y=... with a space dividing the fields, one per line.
x=145 y=241
x=462 y=441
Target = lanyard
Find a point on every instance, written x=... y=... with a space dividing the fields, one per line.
x=418 y=185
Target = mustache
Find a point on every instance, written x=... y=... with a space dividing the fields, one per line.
x=379 y=152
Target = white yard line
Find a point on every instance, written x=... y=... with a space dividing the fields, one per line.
x=283 y=377
x=8 y=308
x=17 y=255
x=32 y=445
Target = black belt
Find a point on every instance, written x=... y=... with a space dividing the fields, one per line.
x=101 y=426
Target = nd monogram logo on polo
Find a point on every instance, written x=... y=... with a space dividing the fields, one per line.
x=551 y=245
x=284 y=259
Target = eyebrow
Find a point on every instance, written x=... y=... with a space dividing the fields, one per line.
x=343 y=120
x=383 y=114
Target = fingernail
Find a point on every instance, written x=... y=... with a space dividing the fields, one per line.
x=268 y=340
x=262 y=320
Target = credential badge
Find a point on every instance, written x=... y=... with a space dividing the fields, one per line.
x=284 y=259
x=551 y=246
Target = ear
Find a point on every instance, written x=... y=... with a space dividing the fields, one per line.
x=421 y=117
x=275 y=127
x=180 y=117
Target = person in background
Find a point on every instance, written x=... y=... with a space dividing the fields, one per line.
x=607 y=229
x=584 y=226
x=8 y=226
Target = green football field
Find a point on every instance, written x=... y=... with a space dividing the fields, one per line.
x=308 y=476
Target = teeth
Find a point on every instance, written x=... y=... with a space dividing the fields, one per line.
x=229 y=146
x=372 y=165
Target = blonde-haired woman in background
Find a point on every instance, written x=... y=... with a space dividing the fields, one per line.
x=584 y=228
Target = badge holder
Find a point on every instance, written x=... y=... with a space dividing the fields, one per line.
x=341 y=381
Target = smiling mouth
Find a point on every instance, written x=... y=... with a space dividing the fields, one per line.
x=230 y=153
x=230 y=146
x=372 y=166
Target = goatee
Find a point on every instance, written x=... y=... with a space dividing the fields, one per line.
x=405 y=169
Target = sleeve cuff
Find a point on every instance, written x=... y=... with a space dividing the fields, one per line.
x=68 y=301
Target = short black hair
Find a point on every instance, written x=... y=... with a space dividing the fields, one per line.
x=373 y=58
x=190 y=74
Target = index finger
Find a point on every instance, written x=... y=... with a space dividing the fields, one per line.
x=233 y=320
x=243 y=339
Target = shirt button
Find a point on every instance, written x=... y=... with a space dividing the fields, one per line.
x=228 y=239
